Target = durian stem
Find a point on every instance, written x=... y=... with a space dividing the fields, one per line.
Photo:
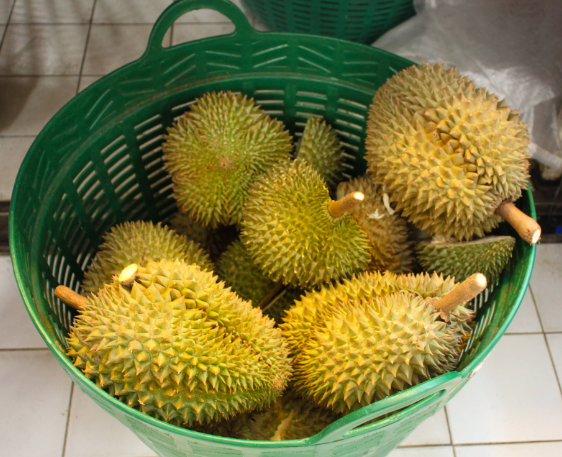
x=462 y=293
x=70 y=297
x=525 y=225
x=337 y=208
x=128 y=274
x=274 y=300
x=272 y=293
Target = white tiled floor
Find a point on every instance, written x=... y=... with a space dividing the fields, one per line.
x=512 y=408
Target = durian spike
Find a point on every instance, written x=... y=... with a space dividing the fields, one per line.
x=272 y=293
x=526 y=226
x=462 y=293
x=337 y=208
x=70 y=297
x=128 y=274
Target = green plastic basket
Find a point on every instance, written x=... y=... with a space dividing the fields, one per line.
x=362 y=21
x=98 y=162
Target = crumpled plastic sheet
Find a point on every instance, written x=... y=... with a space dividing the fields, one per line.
x=511 y=47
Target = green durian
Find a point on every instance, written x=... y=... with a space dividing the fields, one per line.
x=314 y=307
x=487 y=255
x=447 y=152
x=290 y=417
x=139 y=242
x=217 y=150
x=389 y=246
x=290 y=234
x=179 y=346
x=368 y=349
x=321 y=147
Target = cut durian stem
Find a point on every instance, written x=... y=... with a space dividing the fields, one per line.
x=270 y=296
x=462 y=293
x=525 y=225
x=128 y=275
x=338 y=208
x=70 y=297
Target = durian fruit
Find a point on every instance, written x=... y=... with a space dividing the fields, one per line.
x=451 y=156
x=389 y=246
x=487 y=255
x=296 y=234
x=369 y=349
x=217 y=150
x=314 y=307
x=236 y=268
x=177 y=345
x=321 y=148
x=290 y=417
x=139 y=242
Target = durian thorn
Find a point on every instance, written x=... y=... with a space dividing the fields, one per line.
x=337 y=208
x=70 y=297
x=272 y=293
x=128 y=274
x=525 y=225
x=462 y=293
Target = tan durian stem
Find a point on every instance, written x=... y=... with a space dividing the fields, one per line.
x=462 y=293
x=70 y=297
x=128 y=275
x=525 y=225
x=272 y=293
x=337 y=208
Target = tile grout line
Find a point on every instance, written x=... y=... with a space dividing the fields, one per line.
x=552 y=362
x=7 y=25
x=491 y=443
x=22 y=349
x=67 y=420
x=536 y=307
x=86 y=46
x=449 y=430
x=111 y=23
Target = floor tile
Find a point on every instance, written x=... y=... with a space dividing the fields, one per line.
x=112 y=46
x=514 y=397
x=511 y=450
x=16 y=329
x=94 y=433
x=5 y=8
x=34 y=401
x=29 y=102
x=52 y=11
x=85 y=81
x=43 y=49
x=432 y=431
x=260 y=26
x=555 y=345
x=526 y=320
x=206 y=15
x=12 y=152
x=128 y=11
x=190 y=32
x=546 y=283
x=426 y=451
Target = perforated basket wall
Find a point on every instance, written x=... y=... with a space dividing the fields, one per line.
x=98 y=163
x=362 y=21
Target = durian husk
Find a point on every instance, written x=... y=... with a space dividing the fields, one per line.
x=217 y=150
x=138 y=242
x=448 y=153
x=488 y=256
x=290 y=234
x=389 y=245
x=179 y=346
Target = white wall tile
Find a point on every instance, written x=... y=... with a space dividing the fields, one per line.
x=12 y=152
x=85 y=81
x=5 y=8
x=514 y=397
x=128 y=11
x=426 y=451
x=547 y=286
x=526 y=320
x=555 y=345
x=190 y=32
x=511 y=450
x=34 y=401
x=432 y=431
x=52 y=11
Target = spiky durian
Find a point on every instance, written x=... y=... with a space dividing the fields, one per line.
x=139 y=242
x=487 y=255
x=315 y=307
x=179 y=346
x=447 y=152
x=368 y=349
x=290 y=417
x=217 y=150
x=389 y=246
x=321 y=148
x=291 y=235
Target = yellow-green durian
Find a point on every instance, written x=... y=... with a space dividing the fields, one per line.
x=314 y=307
x=389 y=245
x=321 y=147
x=368 y=349
x=447 y=152
x=487 y=255
x=217 y=150
x=179 y=346
x=139 y=242
x=290 y=234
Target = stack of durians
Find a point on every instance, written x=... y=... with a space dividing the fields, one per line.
x=270 y=309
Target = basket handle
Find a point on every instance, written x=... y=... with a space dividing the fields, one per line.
x=180 y=7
